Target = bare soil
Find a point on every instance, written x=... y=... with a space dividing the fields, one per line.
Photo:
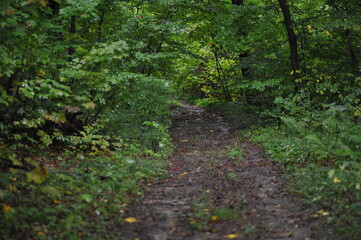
x=219 y=186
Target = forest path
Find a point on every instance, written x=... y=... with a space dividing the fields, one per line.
x=218 y=186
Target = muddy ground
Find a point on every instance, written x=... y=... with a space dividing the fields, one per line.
x=219 y=186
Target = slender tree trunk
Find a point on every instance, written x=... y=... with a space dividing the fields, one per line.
x=244 y=54
x=292 y=39
x=100 y=25
x=72 y=30
x=351 y=49
x=220 y=72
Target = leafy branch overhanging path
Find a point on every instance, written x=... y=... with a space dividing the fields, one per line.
x=219 y=186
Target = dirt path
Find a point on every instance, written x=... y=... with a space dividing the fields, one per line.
x=219 y=186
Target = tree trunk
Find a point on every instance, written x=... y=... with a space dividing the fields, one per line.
x=238 y=2
x=220 y=72
x=244 y=54
x=72 y=31
x=351 y=49
x=292 y=39
x=101 y=19
x=55 y=7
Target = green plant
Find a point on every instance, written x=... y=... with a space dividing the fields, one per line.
x=232 y=176
x=61 y=201
x=235 y=153
x=321 y=151
x=226 y=213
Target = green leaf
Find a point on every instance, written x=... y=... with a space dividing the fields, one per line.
x=86 y=197
x=331 y=173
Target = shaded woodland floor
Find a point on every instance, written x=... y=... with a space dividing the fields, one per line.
x=219 y=186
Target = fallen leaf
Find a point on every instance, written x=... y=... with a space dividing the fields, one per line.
x=323 y=213
x=231 y=236
x=41 y=233
x=6 y=208
x=287 y=234
x=131 y=220
x=175 y=168
x=186 y=140
x=214 y=218
x=184 y=173
x=336 y=180
x=56 y=201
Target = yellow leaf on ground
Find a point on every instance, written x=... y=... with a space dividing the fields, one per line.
x=131 y=220
x=323 y=213
x=6 y=208
x=184 y=173
x=336 y=180
x=231 y=236
x=214 y=218
x=186 y=140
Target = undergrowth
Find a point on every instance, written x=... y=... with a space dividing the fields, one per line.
x=83 y=197
x=321 y=155
x=320 y=152
x=81 y=188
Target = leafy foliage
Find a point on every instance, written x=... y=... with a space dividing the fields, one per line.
x=80 y=198
x=322 y=151
x=96 y=78
x=84 y=114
